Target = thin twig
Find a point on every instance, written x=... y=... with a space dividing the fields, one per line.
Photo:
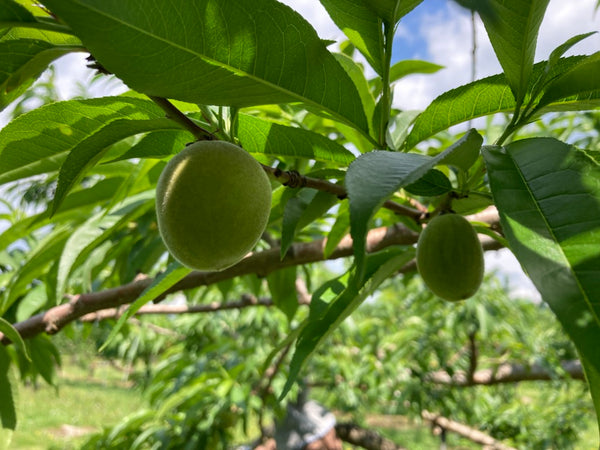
x=176 y=115
x=289 y=178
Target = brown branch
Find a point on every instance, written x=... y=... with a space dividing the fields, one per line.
x=293 y=179
x=506 y=373
x=260 y=263
x=289 y=178
x=465 y=431
x=177 y=116
x=367 y=439
x=115 y=313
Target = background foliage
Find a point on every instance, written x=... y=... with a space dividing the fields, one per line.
x=353 y=177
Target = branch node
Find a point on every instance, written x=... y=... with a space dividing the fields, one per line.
x=295 y=179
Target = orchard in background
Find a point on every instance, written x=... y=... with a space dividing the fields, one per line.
x=351 y=176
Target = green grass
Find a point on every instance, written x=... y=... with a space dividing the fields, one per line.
x=84 y=402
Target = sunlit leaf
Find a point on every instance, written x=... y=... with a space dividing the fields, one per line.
x=548 y=196
x=217 y=52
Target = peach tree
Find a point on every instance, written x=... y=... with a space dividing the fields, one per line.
x=352 y=175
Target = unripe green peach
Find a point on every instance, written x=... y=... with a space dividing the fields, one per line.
x=450 y=257
x=212 y=204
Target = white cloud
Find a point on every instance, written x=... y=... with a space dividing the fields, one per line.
x=447 y=36
x=317 y=16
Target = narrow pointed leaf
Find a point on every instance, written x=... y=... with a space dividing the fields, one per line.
x=404 y=68
x=11 y=333
x=375 y=176
x=172 y=275
x=582 y=79
x=38 y=142
x=84 y=239
x=76 y=205
x=8 y=414
x=548 y=197
x=282 y=285
x=261 y=136
x=361 y=25
x=89 y=151
x=392 y=10
x=218 y=52
x=12 y=13
x=513 y=27
x=325 y=316
x=489 y=95
x=22 y=62
x=357 y=75
x=47 y=251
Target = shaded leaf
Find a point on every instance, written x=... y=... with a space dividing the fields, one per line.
x=375 y=176
x=548 y=197
x=431 y=184
x=8 y=414
x=356 y=73
x=23 y=61
x=261 y=136
x=85 y=238
x=90 y=150
x=282 y=284
x=339 y=229
x=11 y=333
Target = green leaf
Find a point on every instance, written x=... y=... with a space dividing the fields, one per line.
x=375 y=176
x=89 y=151
x=11 y=333
x=432 y=184
x=174 y=273
x=356 y=73
x=483 y=97
x=302 y=208
x=282 y=284
x=392 y=10
x=11 y=12
x=76 y=206
x=548 y=197
x=513 y=26
x=45 y=253
x=261 y=136
x=580 y=80
x=325 y=316
x=100 y=227
x=559 y=51
x=8 y=414
x=216 y=52
x=398 y=128
x=404 y=68
x=32 y=302
x=362 y=26
x=339 y=229
x=158 y=145
x=23 y=61
x=38 y=142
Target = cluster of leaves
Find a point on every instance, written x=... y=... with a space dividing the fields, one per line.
x=259 y=75
x=206 y=388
